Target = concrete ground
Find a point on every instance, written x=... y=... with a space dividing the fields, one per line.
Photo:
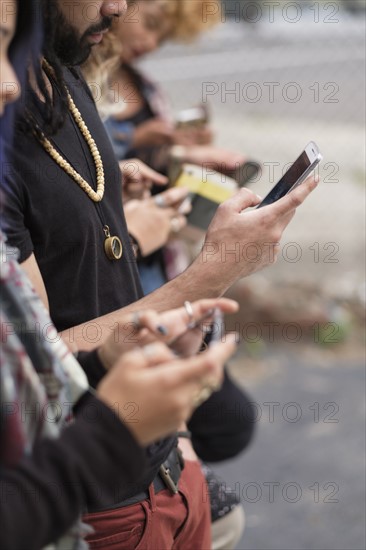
x=302 y=482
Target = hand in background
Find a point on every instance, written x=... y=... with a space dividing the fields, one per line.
x=153 y=392
x=146 y=327
x=214 y=158
x=193 y=135
x=152 y=220
x=138 y=178
x=153 y=132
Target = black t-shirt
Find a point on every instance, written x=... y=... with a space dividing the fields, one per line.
x=47 y=213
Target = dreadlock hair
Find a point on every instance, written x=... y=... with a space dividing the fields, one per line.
x=55 y=109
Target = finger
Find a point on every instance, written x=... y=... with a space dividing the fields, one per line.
x=207 y=364
x=141 y=321
x=135 y=187
x=174 y=195
x=146 y=194
x=165 y=127
x=130 y=170
x=150 y=320
x=201 y=310
x=295 y=198
x=233 y=161
x=151 y=355
x=186 y=206
x=168 y=213
x=177 y=223
x=136 y=170
x=151 y=175
x=243 y=199
x=224 y=304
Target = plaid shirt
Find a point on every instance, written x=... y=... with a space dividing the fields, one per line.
x=37 y=373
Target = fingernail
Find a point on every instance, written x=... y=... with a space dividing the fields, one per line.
x=162 y=329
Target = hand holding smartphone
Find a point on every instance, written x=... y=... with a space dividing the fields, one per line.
x=295 y=175
x=211 y=323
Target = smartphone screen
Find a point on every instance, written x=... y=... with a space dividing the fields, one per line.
x=295 y=175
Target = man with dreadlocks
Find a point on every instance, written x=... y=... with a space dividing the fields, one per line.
x=64 y=212
x=62 y=447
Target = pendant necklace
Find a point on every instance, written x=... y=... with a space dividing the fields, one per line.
x=112 y=244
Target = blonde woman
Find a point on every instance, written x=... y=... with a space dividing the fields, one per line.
x=140 y=124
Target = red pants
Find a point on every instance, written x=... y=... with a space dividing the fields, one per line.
x=164 y=522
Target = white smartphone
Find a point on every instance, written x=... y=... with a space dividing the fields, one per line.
x=295 y=175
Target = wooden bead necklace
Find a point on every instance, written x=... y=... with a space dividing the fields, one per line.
x=97 y=195
x=112 y=245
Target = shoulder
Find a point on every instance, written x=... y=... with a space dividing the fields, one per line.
x=76 y=83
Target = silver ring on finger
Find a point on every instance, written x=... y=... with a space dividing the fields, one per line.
x=160 y=200
x=189 y=310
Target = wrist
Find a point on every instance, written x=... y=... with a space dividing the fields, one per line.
x=204 y=279
x=136 y=248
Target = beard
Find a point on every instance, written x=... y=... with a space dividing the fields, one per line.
x=70 y=47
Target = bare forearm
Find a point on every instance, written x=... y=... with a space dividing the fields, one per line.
x=200 y=280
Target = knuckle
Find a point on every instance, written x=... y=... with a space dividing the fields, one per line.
x=276 y=236
x=223 y=208
x=246 y=192
x=165 y=381
x=210 y=363
x=267 y=217
x=295 y=200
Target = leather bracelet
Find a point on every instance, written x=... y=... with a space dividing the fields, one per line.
x=135 y=247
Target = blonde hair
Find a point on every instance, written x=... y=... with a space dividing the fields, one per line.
x=103 y=62
x=189 y=18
